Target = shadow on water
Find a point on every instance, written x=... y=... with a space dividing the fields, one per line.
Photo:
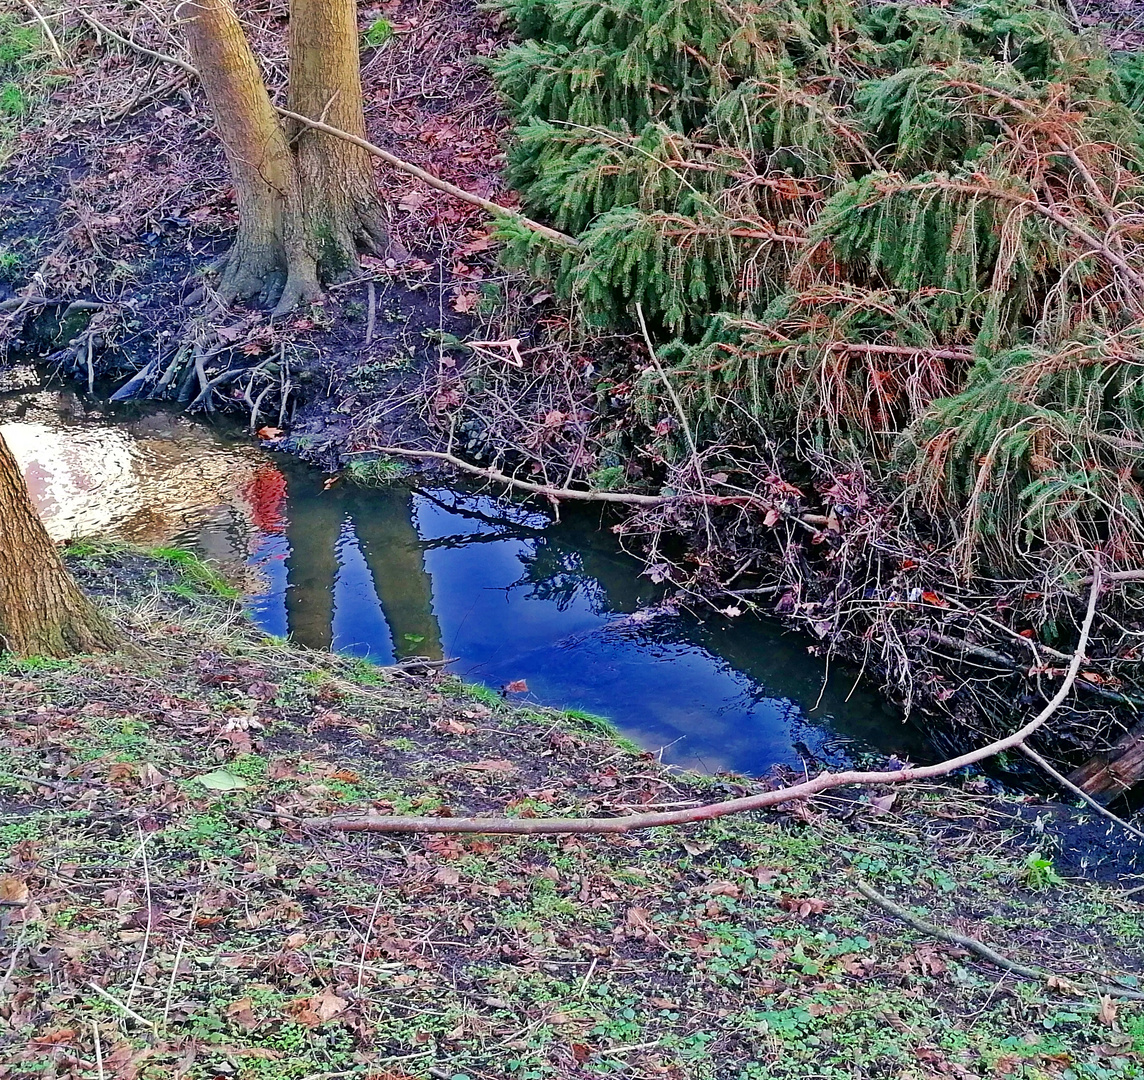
x=501 y=590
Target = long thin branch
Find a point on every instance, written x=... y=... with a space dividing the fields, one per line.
x=979 y=947
x=1078 y=791
x=812 y=521
x=434 y=181
x=392 y=159
x=47 y=31
x=102 y=28
x=499 y=477
x=823 y=782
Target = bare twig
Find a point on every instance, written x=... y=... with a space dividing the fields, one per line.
x=47 y=31
x=1079 y=792
x=111 y=999
x=823 y=782
x=98 y=1050
x=979 y=947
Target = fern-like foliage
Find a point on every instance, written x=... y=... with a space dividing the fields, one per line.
x=895 y=230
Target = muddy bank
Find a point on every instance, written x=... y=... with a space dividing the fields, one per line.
x=149 y=801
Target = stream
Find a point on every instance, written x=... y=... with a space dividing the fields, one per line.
x=500 y=589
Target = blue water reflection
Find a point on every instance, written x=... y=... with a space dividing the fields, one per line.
x=507 y=594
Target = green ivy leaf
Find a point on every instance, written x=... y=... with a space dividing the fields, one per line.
x=221 y=780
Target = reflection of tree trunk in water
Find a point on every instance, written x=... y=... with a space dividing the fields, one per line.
x=313 y=530
x=392 y=550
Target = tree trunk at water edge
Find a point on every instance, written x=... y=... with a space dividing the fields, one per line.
x=42 y=610
x=307 y=201
x=339 y=191
x=270 y=255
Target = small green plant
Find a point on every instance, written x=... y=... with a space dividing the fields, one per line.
x=379 y=32
x=1039 y=872
x=376 y=472
x=363 y=673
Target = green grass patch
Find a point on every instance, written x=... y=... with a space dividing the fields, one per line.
x=376 y=472
x=197 y=576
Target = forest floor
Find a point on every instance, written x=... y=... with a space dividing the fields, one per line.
x=164 y=915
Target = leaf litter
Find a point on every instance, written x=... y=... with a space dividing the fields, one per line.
x=244 y=946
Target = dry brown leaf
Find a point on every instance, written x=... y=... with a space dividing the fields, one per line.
x=327 y=1004
x=881 y=804
x=464 y=300
x=493 y=765
x=242 y=1012
x=13 y=889
x=447 y=875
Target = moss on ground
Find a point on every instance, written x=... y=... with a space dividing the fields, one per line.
x=161 y=895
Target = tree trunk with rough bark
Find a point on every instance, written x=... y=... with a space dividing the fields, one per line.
x=339 y=191
x=307 y=201
x=42 y=611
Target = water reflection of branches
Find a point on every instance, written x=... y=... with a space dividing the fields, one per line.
x=509 y=516
x=557 y=573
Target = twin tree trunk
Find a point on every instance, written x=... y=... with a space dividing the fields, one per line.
x=42 y=611
x=307 y=201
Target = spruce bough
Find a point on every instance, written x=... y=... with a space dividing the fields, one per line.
x=906 y=235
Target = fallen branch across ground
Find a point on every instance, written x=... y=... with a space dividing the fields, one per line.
x=548 y=491
x=983 y=950
x=392 y=159
x=823 y=782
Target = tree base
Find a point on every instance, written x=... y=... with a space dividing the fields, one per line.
x=77 y=632
x=284 y=272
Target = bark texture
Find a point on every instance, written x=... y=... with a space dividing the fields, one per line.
x=307 y=201
x=42 y=611
x=339 y=193
x=270 y=254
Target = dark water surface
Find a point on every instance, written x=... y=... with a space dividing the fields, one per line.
x=501 y=590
